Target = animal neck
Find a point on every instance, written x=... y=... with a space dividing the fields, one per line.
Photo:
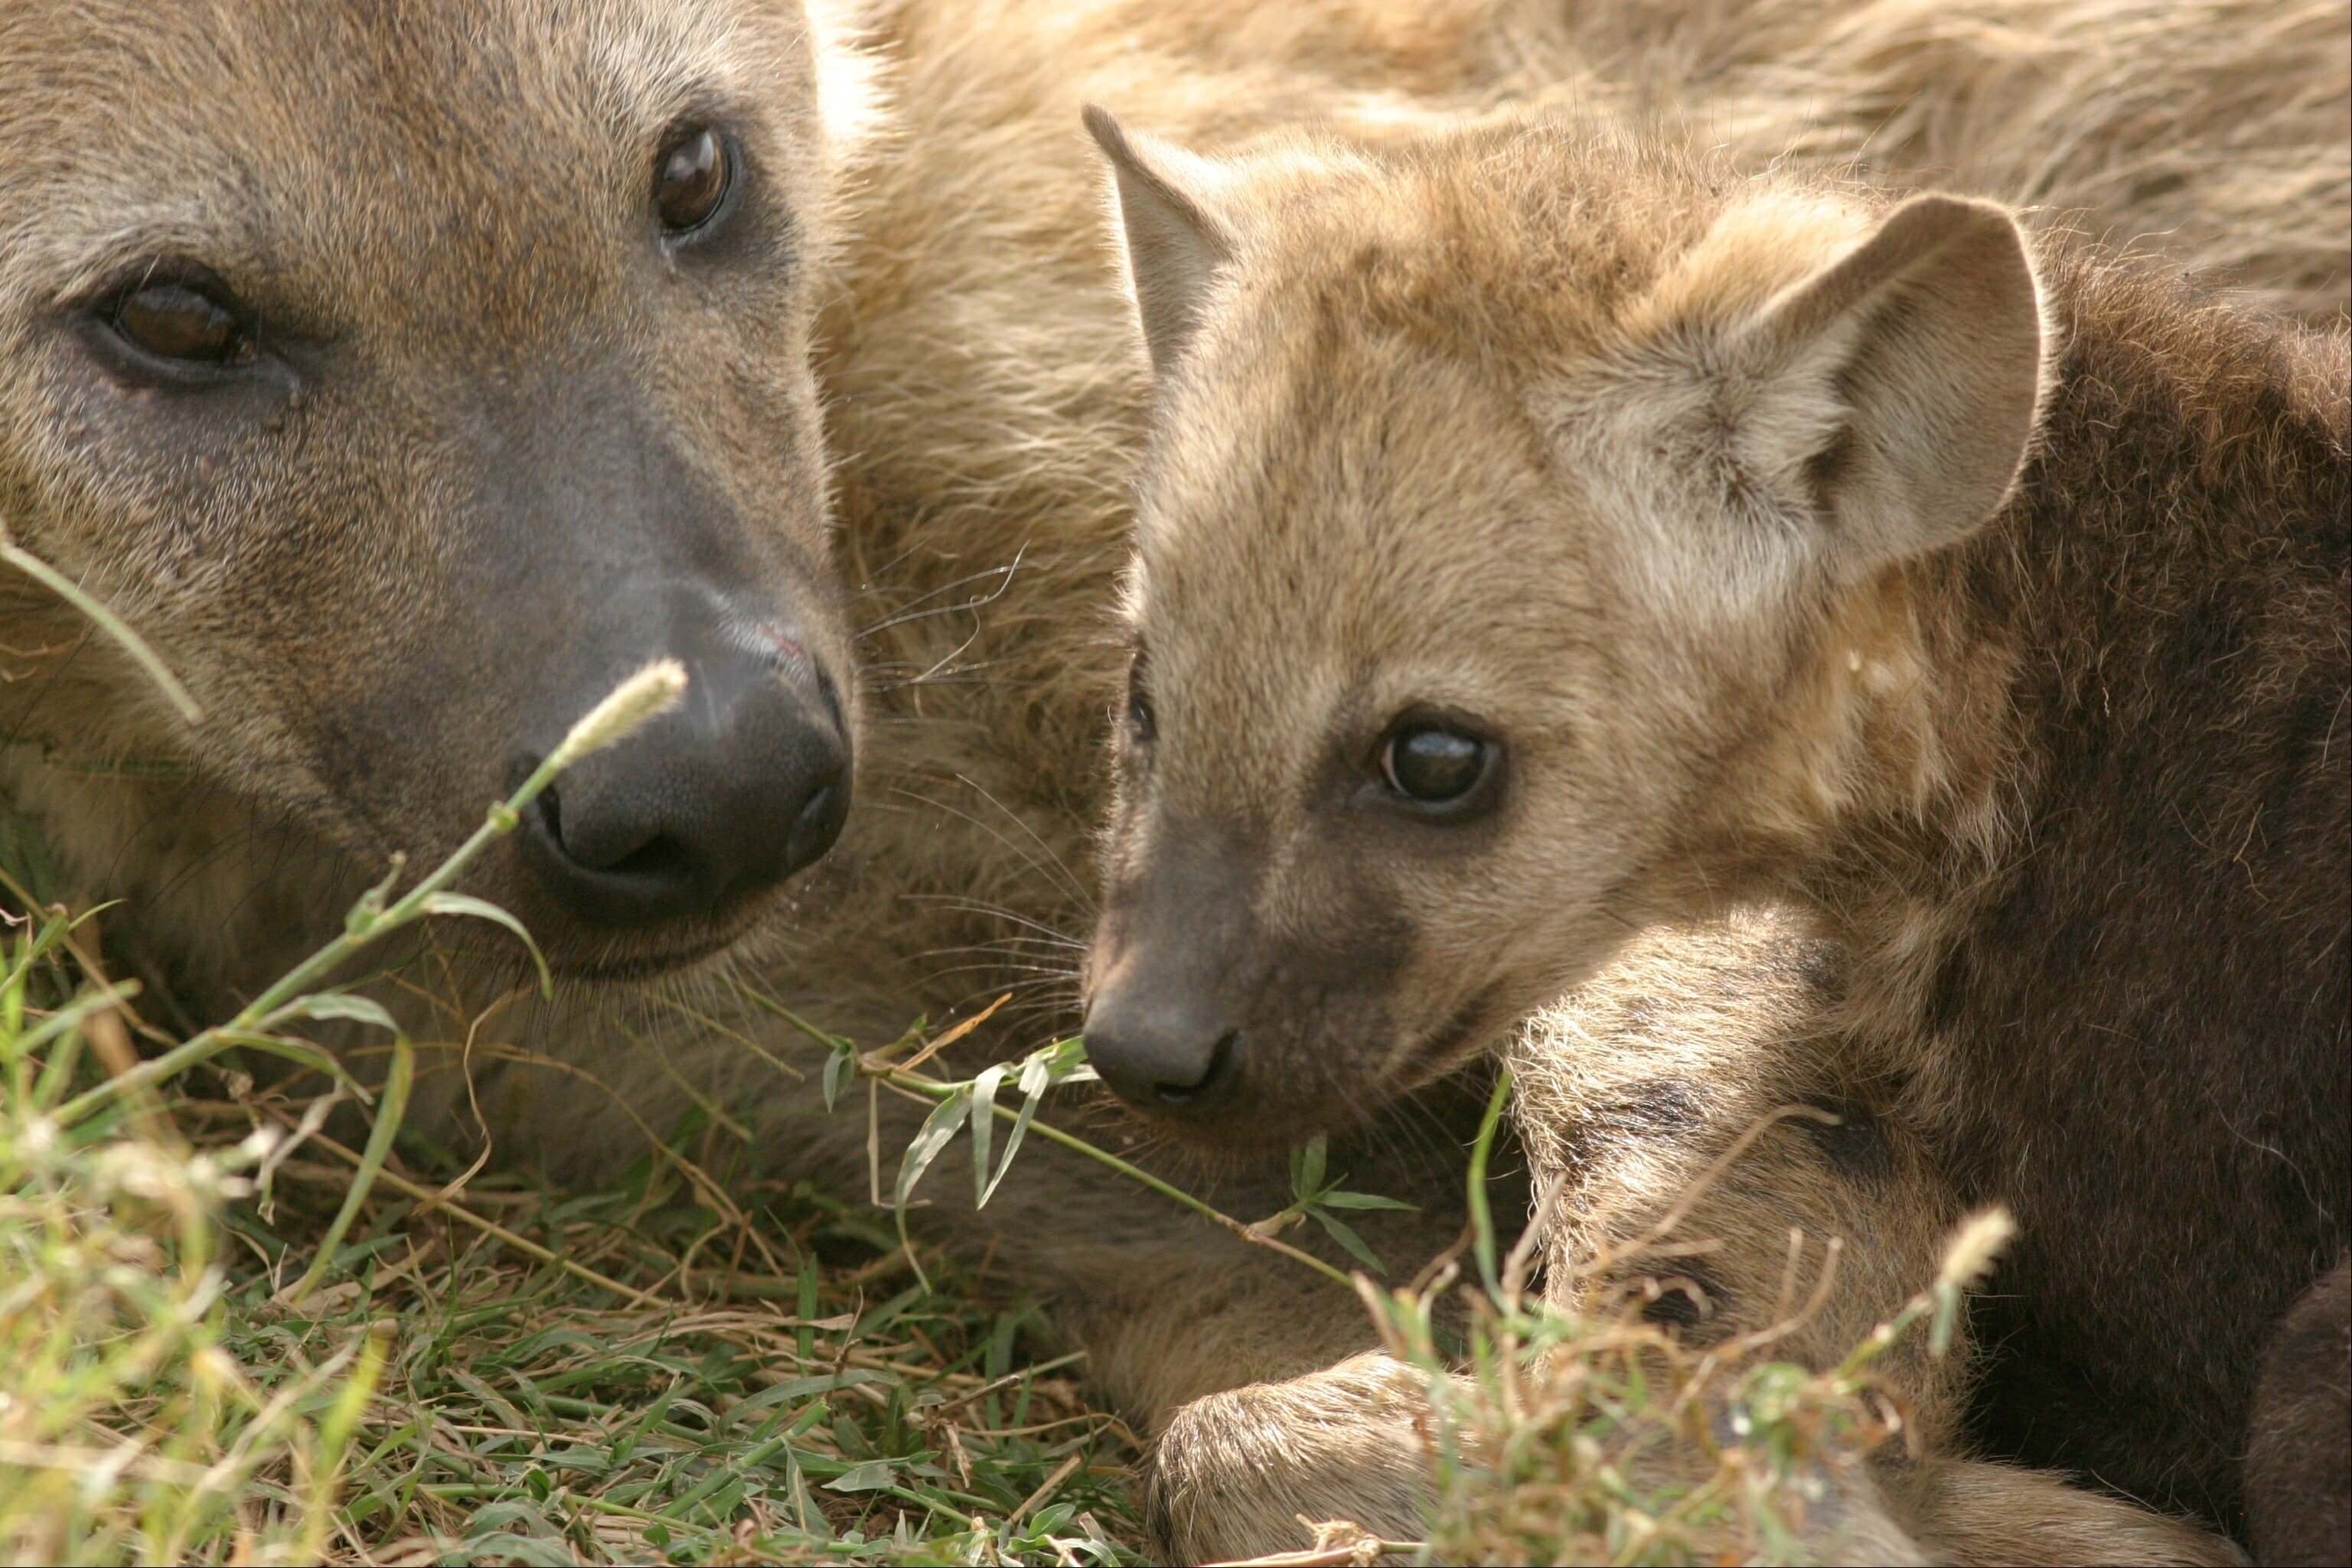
x=2114 y=702
x=1885 y=779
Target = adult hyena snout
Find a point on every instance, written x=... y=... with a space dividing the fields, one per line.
x=717 y=801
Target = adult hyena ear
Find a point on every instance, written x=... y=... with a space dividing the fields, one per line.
x=1898 y=385
x=1174 y=241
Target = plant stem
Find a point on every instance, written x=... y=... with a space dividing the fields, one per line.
x=364 y=927
x=1481 y=1217
x=932 y=1088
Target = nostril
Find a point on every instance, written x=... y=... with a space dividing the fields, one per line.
x=657 y=860
x=832 y=696
x=662 y=860
x=816 y=825
x=813 y=813
x=1213 y=1077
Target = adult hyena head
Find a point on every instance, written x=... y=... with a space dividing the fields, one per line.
x=408 y=374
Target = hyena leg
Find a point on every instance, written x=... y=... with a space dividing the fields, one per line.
x=2299 y=1466
x=1233 y=1473
x=1971 y=1513
x=1696 y=1078
x=1236 y=1472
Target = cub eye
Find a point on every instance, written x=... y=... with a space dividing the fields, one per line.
x=177 y=321
x=1431 y=766
x=690 y=180
x=1142 y=722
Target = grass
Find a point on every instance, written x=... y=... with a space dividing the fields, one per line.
x=230 y=1336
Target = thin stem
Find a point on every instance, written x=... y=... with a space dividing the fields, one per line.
x=932 y=1088
x=73 y=593
x=1482 y=1216
x=388 y=1114
x=492 y=1227
x=364 y=926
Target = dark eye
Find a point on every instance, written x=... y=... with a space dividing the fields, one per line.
x=690 y=180
x=178 y=321
x=1431 y=766
x=1141 y=723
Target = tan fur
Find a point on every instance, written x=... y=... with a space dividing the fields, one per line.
x=1782 y=540
x=984 y=406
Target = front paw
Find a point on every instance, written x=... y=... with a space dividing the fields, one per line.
x=1234 y=1474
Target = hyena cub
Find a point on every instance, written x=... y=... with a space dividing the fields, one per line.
x=1543 y=538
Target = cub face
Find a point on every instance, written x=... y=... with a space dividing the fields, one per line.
x=1504 y=500
x=408 y=375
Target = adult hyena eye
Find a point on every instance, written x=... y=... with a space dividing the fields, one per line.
x=1142 y=724
x=1429 y=764
x=180 y=322
x=692 y=177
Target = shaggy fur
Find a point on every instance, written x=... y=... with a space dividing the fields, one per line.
x=984 y=409
x=1710 y=498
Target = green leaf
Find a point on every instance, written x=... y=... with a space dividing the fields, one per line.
x=545 y=1549
x=1344 y=1234
x=65 y=588
x=836 y=1066
x=1066 y=1062
x=871 y=1476
x=938 y=1128
x=984 y=1127
x=1036 y=1077
x=1307 y=1165
x=1482 y=1214
x=469 y=906
x=336 y=1004
x=1336 y=1198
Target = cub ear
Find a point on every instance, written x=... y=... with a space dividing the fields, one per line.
x=1174 y=242
x=1901 y=383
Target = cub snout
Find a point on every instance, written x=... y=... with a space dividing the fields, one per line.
x=1169 y=1054
x=1210 y=1017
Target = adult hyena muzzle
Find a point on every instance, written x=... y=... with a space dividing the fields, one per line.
x=445 y=365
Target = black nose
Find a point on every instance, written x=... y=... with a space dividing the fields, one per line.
x=1161 y=1056
x=745 y=782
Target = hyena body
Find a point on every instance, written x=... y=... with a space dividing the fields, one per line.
x=1634 y=537
x=507 y=430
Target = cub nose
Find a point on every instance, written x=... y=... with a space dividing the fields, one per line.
x=745 y=782
x=1162 y=1056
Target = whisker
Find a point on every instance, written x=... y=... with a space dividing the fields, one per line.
x=977 y=907
x=909 y=611
x=1083 y=893
x=1052 y=865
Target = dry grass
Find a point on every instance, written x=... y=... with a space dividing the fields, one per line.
x=519 y=1374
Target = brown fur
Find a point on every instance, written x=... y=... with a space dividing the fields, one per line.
x=1689 y=487
x=984 y=409
x=2299 y=1468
